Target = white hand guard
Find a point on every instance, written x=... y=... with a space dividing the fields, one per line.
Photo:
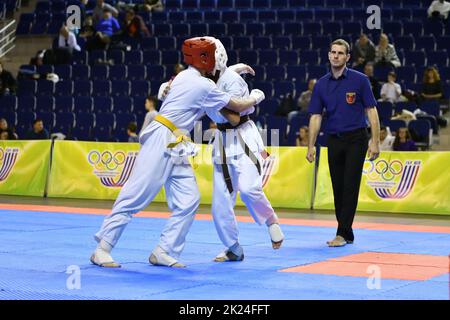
x=258 y=95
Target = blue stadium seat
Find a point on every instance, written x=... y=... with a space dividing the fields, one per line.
x=322 y=14
x=64 y=71
x=281 y=42
x=96 y=55
x=83 y=104
x=275 y=73
x=121 y=87
x=45 y=87
x=141 y=88
x=102 y=104
x=101 y=88
x=268 y=57
x=385 y=110
x=293 y=28
x=212 y=16
x=321 y=42
x=133 y=57
x=247 y=16
x=402 y=14
x=279 y=125
x=249 y=57
x=26 y=103
x=262 y=42
x=176 y=16
x=167 y=43
x=27 y=87
x=229 y=16
x=309 y=57
x=438 y=58
x=43 y=7
x=101 y=133
x=117 y=56
x=255 y=29
x=316 y=3
x=227 y=42
x=45 y=68
x=64 y=88
x=405 y=105
x=350 y=28
x=264 y=86
x=414 y=28
x=161 y=29
x=10 y=116
x=301 y=42
x=260 y=73
x=435 y=28
x=268 y=106
x=274 y=29
x=152 y=56
x=404 y=42
x=392 y=27
x=155 y=72
x=281 y=88
x=431 y=107
x=189 y=4
x=123 y=121
x=170 y=57
x=236 y=29
x=426 y=43
x=217 y=29
x=48 y=118
x=297 y=3
x=136 y=72
x=267 y=15
x=198 y=29
x=123 y=105
x=416 y=58
x=432 y=121
x=296 y=73
x=342 y=14
x=406 y=73
x=172 y=4
x=26 y=119
x=99 y=72
x=118 y=72
x=85 y=119
x=232 y=57
x=335 y=3
x=421 y=130
x=24 y=25
x=332 y=28
x=279 y=4
x=316 y=71
x=394 y=125
x=288 y=57
x=312 y=28
x=285 y=15
x=105 y=120
x=39 y=27
x=64 y=104
x=159 y=17
x=443 y=43
x=64 y=122
x=150 y=43
x=8 y=103
x=304 y=15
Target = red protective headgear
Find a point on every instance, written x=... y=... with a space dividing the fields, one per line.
x=200 y=53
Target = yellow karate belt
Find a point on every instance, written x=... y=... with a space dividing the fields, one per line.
x=180 y=137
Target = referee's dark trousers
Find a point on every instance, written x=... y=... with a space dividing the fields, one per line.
x=346 y=155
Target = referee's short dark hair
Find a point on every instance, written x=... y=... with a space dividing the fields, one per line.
x=341 y=42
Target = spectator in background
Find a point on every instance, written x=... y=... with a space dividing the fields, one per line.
x=87 y=30
x=374 y=83
x=431 y=86
x=98 y=12
x=8 y=83
x=391 y=90
x=151 y=6
x=134 y=26
x=6 y=132
x=305 y=96
x=385 y=54
x=302 y=137
x=386 y=139
x=439 y=9
x=150 y=105
x=132 y=132
x=38 y=59
x=363 y=51
x=105 y=28
x=403 y=141
x=67 y=40
x=38 y=132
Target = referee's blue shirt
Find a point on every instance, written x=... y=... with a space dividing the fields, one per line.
x=344 y=99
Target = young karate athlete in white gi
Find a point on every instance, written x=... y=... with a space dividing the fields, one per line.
x=158 y=164
x=237 y=167
x=242 y=168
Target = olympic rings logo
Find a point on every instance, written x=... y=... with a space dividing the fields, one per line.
x=386 y=170
x=106 y=159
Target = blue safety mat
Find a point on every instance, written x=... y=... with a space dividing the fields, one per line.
x=38 y=248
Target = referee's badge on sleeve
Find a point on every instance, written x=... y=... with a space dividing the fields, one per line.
x=350 y=97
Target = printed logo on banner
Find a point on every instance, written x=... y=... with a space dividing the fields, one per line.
x=8 y=158
x=392 y=180
x=267 y=168
x=112 y=168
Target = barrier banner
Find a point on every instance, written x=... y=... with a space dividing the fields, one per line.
x=414 y=182
x=24 y=167
x=287 y=179
x=97 y=170
x=92 y=170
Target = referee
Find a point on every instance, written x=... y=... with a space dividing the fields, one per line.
x=347 y=97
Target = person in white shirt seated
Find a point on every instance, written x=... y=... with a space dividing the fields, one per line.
x=391 y=90
x=439 y=9
x=67 y=40
x=386 y=139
